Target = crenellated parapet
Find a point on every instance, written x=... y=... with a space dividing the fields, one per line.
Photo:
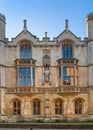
x=2 y=17
x=89 y=16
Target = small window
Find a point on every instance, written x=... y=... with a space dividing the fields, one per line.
x=36 y=107
x=78 y=106
x=17 y=107
x=58 y=106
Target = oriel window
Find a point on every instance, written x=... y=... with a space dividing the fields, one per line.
x=68 y=76
x=25 y=76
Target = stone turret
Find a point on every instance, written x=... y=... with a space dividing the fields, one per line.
x=2 y=27
x=89 y=26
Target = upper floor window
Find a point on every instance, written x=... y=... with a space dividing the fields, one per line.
x=67 y=51
x=25 y=76
x=25 y=51
x=69 y=76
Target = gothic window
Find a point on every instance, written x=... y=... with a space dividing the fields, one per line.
x=78 y=106
x=25 y=76
x=25 y=51
x=68 y=76
x=36 y=107
x=58 y=106
x=16 y=107
x=67 y=51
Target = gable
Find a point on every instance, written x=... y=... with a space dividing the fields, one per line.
x=24 y=36
x=67 y=34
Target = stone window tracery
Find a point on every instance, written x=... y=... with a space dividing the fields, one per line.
x=58 y=106
x=36 y=107
x=25 y=76
x=16 y=107
x=78 y=106
x=68 y=76
x=67 y=51
x=25 y=51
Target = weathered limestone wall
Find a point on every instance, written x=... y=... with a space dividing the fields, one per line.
x=2 y=53
x=10 y=55
x=2 y=76
x=80 y=52
x=10 y=76
x=54 y=76
x=83 y=76
x=90 y=75
x=47 y=101
x=38 y=76
x=90 y=100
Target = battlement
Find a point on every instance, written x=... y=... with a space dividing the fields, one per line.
x=2 y=17
x=89 y=16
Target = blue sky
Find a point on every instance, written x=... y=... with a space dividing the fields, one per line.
x=46 y=16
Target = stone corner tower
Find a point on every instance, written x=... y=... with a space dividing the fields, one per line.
x=2 y=27
x=89 y=32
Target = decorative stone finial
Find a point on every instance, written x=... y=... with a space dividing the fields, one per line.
x=66 y=24
x=25 y=24
x=89 y=16
x=45 y=37
x=46 y=34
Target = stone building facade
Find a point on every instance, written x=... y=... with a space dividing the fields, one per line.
x=46 y=79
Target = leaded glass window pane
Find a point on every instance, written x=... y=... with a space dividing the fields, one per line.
x=67 y=51
x=25 y=51
x=78 y=106
x=58 y=106
x=33 y=76
x=25 y=76
x=36 y=107
x=68 y=76
x=16 y=107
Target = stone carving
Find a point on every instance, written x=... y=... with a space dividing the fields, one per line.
x=46 y=76
x=46 y=60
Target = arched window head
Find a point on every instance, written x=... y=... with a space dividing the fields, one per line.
x=16 y=107
x=25 y=50
x=58 y=106
x=46 y=60
x=67 y=51
x=36 y=107
x=78 y=106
